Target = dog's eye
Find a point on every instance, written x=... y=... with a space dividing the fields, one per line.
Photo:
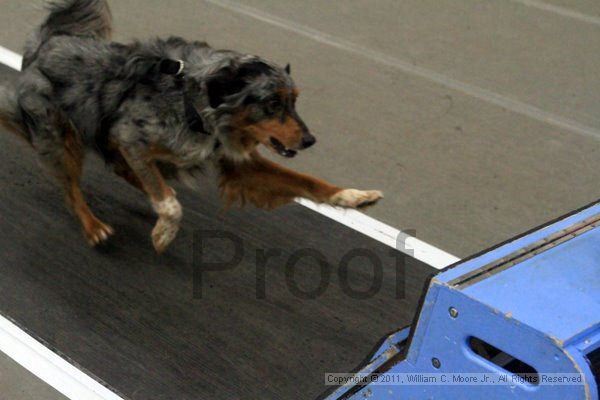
x=274 y=106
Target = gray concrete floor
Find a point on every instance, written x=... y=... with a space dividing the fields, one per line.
x=17 y=383
x=479 y=118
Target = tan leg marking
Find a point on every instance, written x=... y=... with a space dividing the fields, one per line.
x=95 y=230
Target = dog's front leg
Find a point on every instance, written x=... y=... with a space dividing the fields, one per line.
x=161 y=195
x=267 y=185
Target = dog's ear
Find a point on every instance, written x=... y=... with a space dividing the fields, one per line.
x=255 y=68
x=229 y=81
x=222 y=86
x=288 y=69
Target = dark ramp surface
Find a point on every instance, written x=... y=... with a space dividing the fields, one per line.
x=129 y=317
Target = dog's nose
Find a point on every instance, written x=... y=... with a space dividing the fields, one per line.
x=308 y=140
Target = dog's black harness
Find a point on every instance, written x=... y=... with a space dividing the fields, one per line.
x=193 y=118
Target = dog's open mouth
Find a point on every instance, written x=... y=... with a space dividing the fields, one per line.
x=281 y=149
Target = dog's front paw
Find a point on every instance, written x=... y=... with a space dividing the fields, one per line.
x=164 y=233
x=353 y=198
x=169 y=216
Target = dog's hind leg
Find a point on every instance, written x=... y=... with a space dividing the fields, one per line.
x=9 y=112
x=58 y=145
x=65 y=162
x=95 y=230
x=161 y=195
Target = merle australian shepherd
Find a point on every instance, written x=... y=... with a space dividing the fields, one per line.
x=158 y=110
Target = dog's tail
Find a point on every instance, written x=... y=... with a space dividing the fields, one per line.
x=10 y=113
x=84 y=18
x=90 y=18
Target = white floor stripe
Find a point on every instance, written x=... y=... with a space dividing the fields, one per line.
x=10 y=58
x=562 y=11
x=360 y=222
x=374 y=55
x=385 y=234
x=48 y=366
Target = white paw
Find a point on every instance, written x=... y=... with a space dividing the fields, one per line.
x=168 y=208
x=353 y=198
x=164 y=233
x=169 y=215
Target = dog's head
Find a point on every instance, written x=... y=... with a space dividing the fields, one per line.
x=259 y=101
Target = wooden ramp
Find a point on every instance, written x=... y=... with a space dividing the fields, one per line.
x=130 y=319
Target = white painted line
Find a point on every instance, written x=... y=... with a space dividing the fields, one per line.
x=360 y=222
x=48 y=366
x=394 y=62
x=10 y=58
x=385 y=234
x=562 y=11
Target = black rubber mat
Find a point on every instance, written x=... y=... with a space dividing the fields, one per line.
x=142 y=324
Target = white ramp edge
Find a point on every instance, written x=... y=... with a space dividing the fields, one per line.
x=10 y=58
x=48 y=366
x=385 y=234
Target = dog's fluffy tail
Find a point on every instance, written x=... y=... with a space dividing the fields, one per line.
x=83 y=18
x=90 y=18
x=10 y=114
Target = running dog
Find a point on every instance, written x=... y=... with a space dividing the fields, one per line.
x=159 y=110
